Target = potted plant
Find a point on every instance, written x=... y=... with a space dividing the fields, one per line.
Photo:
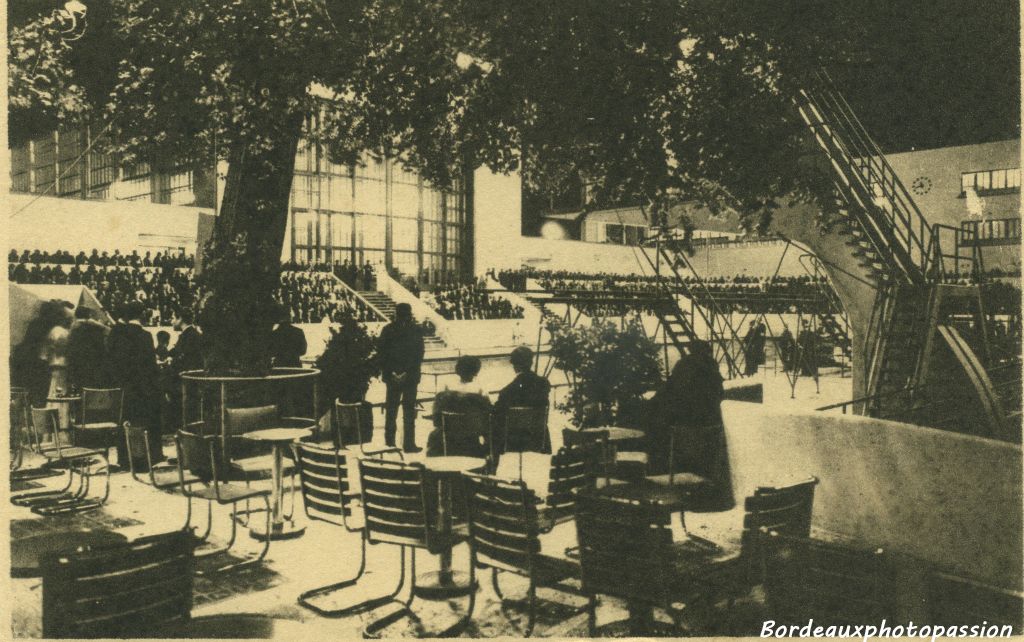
x=346 y=367
x=609 y=369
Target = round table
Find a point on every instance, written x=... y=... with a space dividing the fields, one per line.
x=446 y=583
x=616 y=433
x=27 y=551
x=278 y=438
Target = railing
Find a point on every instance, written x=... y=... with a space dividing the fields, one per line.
x=996 y=231
x=868 y=178
x=845 y=405
x=965 y=260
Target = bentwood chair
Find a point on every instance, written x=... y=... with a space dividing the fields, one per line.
x=161 y=476
x=141 y=589
x=100 y=416
x=199 y=456
x=327 y=497
x=77 y=460
x=829 y=582
x=395 y=512
x=504 y=536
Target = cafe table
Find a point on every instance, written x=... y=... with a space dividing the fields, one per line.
x=445 y=582
x=279 y=439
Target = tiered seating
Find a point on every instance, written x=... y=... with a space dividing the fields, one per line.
x=311 y=296
x=469 y=301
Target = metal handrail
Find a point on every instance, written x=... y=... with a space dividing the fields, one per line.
x=845 y=404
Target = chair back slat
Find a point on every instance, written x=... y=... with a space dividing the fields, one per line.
x=393 y=502
x=102 y=405
x=783 y=509
x=130 y=590
x=956 y=601
x=465 y=434
x=826 y=581
x=502 y=523
x=137 y=442
x=625 y=548
x=526 y=430
x=573 y=468
x=323 y=475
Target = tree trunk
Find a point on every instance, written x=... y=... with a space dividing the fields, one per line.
x=242 y=268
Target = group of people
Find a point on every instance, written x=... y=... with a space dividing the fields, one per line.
x=358 y=278
x=400 y=351
x=314 y=297
x=103 y=259
x=159 y=290
x=66 y=349
x=470 y=301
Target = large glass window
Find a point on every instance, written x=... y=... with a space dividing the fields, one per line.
x=991 y=180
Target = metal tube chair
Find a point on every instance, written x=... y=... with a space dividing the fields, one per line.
x=23 y=439
x=77 y=460
x=246 y=466
x=200 y=456
x=323 y=478
x=395 y=510
x=504 y=536
x=348 y=421
x=162 y=476
x=100 y=417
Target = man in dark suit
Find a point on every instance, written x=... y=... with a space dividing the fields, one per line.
x=187 y=353
x=87 y=351
x=132 y=366
x=528 y=389
x=400 y=350
x=287 y=343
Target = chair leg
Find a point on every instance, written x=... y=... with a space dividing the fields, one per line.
x=592 y=617
x=533 y=609
x=305 y=598
x=33 y=497
x=494 y=582
x=266 y=540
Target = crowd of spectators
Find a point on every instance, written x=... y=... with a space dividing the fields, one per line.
x=469 y=301
x=103 y=259
x=160 y=290
x=739 y=293
x=312 y=296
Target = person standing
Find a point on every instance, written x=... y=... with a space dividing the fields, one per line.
x=87 y=351
x=400 y=350
x=807 y=344
x=132 y=367
x=287 y=342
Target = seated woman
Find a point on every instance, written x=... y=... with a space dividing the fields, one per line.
x=689 y=404
x=466 y=397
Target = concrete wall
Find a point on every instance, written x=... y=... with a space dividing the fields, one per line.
x=950 y=499
x=942 y=203
x=49 y=223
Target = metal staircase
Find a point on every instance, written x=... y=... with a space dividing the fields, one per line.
x=908 y=258
x=677 y=324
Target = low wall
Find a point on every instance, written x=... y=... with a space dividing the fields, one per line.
x=104 y=225
x=949 y=499
x=478 y=334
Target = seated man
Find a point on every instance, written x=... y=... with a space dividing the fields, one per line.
x=466 y=396
x=528 y=389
